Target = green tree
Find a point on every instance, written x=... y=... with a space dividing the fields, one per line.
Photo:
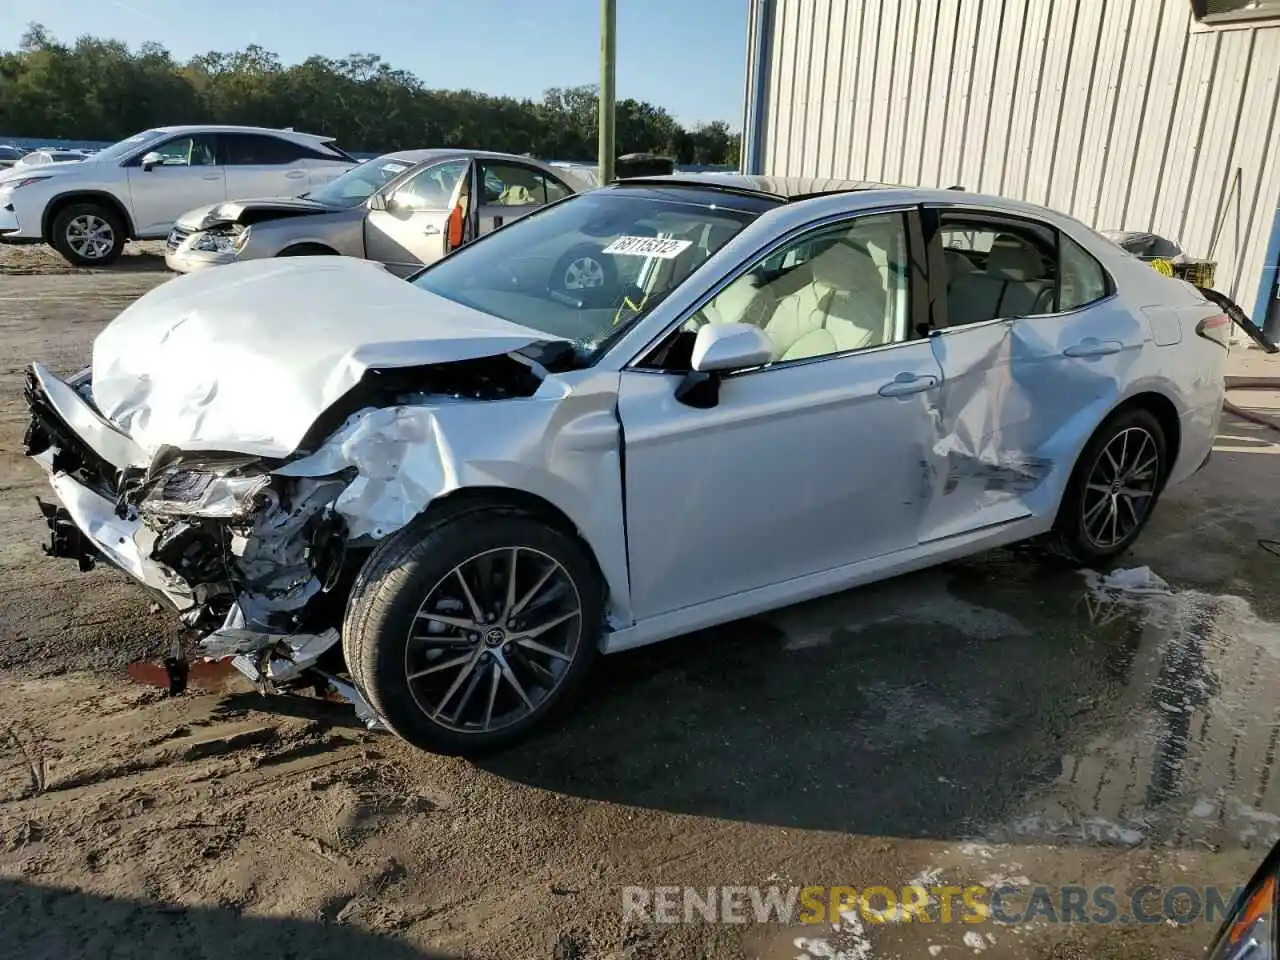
x=99 y=89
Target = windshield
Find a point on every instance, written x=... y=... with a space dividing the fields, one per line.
x=118 y=151
x=358 y=184
x=586 y=268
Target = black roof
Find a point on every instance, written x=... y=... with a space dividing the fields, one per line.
x=780 y=188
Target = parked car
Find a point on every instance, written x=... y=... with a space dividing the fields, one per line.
x=137 y=188
x=9 y=155
x=43 y=155
x=479 y=482
x=395 y=209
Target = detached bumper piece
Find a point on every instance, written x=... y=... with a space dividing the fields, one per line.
x=66 y=539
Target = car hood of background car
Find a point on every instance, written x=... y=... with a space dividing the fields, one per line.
x=247 y=212
x=246 y=358
x=50 y=169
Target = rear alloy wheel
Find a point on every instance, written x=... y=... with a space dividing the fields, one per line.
x=88 y=235
x=466 y=633
x=1113 y=489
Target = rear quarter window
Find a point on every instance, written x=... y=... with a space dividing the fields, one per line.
x=1083 y=278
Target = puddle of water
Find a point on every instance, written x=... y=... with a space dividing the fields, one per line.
x=1164 y=703
x=1184 y=752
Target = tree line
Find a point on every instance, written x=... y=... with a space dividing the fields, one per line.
x=100 y=89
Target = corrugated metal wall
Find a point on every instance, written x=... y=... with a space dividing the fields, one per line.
x=1124 y=113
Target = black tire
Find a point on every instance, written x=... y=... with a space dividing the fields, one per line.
x=66 y=234
x=1070 y=539
x=568 y=278
x=401 y=574
x=307 y=250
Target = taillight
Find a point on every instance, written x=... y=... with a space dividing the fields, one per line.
x=1217 y=329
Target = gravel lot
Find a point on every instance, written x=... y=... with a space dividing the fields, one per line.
x=992 y=717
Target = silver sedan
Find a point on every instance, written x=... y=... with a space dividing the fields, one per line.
x=404 y=209
x=477 y=483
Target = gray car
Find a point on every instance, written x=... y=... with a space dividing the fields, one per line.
x=403 y=209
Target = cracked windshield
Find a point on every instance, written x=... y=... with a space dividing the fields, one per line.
x=766 y=480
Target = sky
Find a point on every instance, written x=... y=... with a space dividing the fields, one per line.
x=688 y=56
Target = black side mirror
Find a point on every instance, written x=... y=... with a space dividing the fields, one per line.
x=699 y=389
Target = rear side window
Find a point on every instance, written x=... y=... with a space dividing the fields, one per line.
x=251 y=149
x=997 y=268
x=1084 y=281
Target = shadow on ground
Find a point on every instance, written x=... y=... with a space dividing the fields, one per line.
x=46 y=923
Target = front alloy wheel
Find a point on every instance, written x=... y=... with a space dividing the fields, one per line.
x=468 y=628
x=88 y=235
x=493 y=640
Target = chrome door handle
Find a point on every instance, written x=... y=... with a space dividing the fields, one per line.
x=430 y=230
x=1093 y=347
x=296 y=174
x=905 y=384
x=216 y=176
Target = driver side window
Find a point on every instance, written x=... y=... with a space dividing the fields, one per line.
x=833 y=290
x=431 y=188
x=188 y=152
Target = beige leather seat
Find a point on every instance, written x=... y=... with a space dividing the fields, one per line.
x=1014 y=284
x=842 y=308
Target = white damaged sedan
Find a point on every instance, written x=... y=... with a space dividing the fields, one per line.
x=443 y=498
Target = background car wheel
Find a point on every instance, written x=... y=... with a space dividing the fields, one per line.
x=307 y=250
x=583 y=270
x=1113 y=489
x=88 y=235
x=466 y=630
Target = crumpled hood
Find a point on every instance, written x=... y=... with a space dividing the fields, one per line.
x=249 y=211
x=246 y=358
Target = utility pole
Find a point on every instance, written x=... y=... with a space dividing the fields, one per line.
x=608 y=54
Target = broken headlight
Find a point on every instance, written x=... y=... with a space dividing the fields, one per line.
x=221 y=241
x=193 y=492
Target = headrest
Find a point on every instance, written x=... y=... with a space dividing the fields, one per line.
x=1013 y=259
x=958 y=264
x=845 y=267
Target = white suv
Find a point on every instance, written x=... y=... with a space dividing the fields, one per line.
x=137 y=188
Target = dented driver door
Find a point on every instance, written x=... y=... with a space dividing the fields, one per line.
x=409 y=226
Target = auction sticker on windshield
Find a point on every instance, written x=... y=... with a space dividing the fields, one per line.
x=663 y=248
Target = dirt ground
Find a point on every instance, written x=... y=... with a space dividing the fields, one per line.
x=990 y=719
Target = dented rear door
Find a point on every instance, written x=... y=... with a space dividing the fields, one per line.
x=1019 y=399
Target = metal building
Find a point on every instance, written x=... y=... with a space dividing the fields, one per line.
x=1156 y=115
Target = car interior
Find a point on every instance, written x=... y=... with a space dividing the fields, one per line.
x=824 y=296
x=996 y=274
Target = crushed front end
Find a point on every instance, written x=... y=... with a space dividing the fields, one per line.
x=252 y=561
